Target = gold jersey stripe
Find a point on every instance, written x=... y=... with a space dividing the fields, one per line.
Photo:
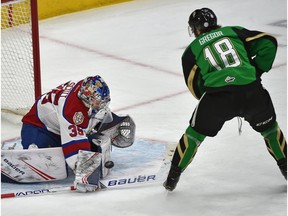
x=190 y=79
x=256 y=37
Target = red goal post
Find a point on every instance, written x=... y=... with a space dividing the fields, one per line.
x=20 y=56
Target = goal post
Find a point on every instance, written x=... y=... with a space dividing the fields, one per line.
x=20 y=56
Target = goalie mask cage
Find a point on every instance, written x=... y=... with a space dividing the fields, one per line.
x=20 y=57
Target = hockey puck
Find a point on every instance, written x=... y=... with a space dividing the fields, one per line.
x=109 y=164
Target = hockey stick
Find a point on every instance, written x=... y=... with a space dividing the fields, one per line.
x=108 y=184
x=42 y=191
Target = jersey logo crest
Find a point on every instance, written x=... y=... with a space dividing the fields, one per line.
x=78 y=118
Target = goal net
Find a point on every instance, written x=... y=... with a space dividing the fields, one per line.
x=20 y=60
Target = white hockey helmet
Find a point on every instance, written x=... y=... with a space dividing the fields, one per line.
x=94 y=93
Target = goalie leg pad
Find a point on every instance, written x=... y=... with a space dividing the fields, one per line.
x=88 y=171
x=106 y=151
x=102 y=144
x=33 y=165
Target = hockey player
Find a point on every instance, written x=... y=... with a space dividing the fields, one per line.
x=66 y=116
x=222 y=68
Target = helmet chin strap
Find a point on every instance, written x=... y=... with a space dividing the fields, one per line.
x=90 y=111
x=93 y=111
x=190 y=32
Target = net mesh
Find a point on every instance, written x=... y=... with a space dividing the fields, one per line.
x=17 y=75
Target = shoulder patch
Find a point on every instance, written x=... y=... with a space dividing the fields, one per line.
x=78 y=118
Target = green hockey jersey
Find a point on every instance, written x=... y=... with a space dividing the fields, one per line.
x=226 y=57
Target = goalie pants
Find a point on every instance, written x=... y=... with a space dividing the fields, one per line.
x=214 y=109
x=39 y=136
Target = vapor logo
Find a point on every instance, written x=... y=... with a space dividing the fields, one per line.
x=35 y=192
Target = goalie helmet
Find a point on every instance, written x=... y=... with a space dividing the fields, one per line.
x=202 y=20
x=94 y=93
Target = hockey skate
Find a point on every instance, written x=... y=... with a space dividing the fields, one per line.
x=283 y=167
x=173 y=178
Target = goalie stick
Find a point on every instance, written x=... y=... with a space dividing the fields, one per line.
x=107 y=184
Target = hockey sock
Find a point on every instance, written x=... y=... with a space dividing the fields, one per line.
x=187 y=148
x=275 y=142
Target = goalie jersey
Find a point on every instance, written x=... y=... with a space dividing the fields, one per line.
x=61 y=112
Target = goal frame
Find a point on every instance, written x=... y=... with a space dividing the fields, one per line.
x=35 y=42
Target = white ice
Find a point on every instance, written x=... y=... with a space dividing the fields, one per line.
x=136 y=47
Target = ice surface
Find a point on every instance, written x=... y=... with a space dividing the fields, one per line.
x=136 y=47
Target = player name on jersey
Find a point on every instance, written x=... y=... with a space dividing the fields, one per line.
x=210 y=36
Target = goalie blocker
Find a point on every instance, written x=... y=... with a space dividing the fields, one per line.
x=48 y=164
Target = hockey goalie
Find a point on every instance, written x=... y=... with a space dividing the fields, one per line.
x=69 y=127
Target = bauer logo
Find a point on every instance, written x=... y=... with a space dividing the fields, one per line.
x=13 y=166
x=132 y=180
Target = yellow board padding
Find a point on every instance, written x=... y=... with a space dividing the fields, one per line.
x=52 y=8
x=19 y=12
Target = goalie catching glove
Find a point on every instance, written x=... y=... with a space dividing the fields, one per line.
x=122 y=133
